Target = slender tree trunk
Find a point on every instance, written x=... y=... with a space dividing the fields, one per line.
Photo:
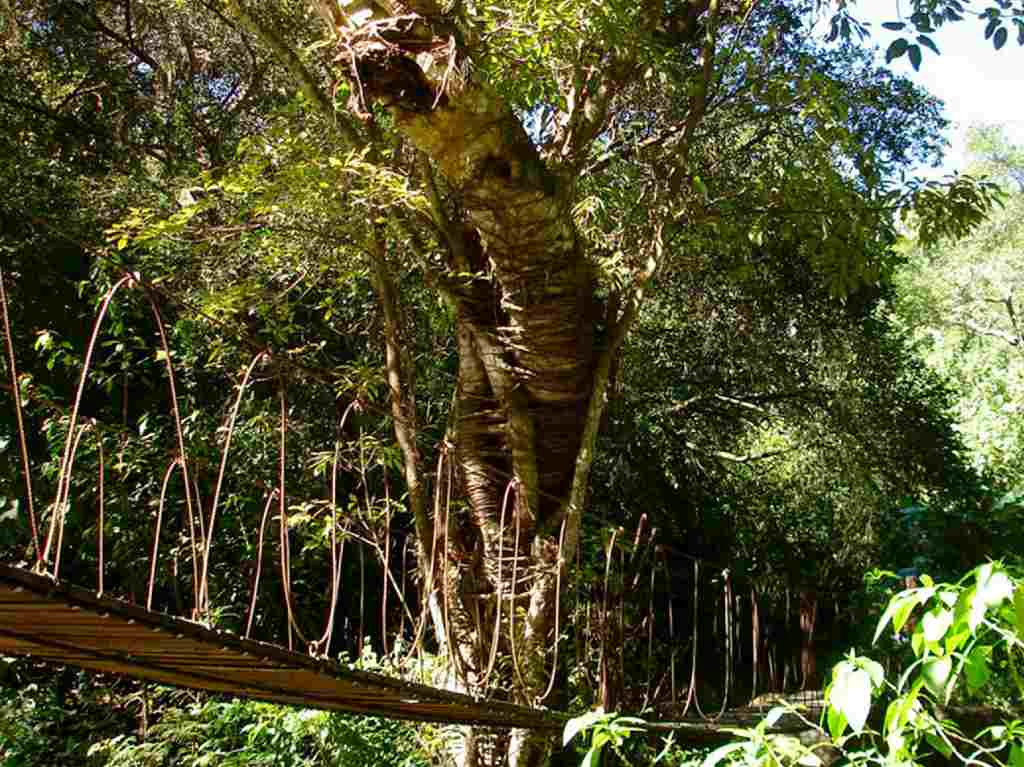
x=808 y=658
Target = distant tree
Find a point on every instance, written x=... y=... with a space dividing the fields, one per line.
x=962 y=302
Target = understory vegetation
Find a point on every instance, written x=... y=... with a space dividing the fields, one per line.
x=600 y=357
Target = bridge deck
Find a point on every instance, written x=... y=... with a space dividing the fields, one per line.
x=66 y=624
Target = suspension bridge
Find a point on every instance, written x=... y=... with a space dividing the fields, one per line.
x=45 y=616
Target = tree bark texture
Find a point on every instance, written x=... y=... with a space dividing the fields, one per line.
x=527 y=357
x=532 y=373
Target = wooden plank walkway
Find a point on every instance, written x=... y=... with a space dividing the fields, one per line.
x=66 y=624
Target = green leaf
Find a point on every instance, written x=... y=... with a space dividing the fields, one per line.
x=917 y=643
x=1016 y=756
x=936 y=675
x=579 y=723
x=836 y=723
x=914 y=52
x=875 y=671
x=927 y=42
x=939 y=744
x=977 y=667
x=957 y=635
x=970 y=608
x=935 y=623
x=994 y=586
x=719 y=754
x=894 y=26
x=851 y=695
x=897 y=612
x=1000 y=38
x=774 y=716
x=896 y=49
x=892 y=716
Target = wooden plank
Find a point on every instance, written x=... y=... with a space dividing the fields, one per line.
x=65 y=624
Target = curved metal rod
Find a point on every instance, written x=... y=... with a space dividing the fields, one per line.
x=200 y=607
x=204 y=589
x=446 y=565
x=101 y=564
x=512 y=607
x=63 y=516
x=16 y=390
x=68 y=458
x=154 y=554
x=387 y=561
x=286 y=557
x=558 y=603
x=259 y=562
x=608 y=556
x=496 y=633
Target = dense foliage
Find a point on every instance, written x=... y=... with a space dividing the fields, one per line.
x=507 y=281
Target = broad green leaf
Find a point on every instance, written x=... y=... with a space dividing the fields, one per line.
x=977 y=667
x=851 y=695
x=927 y=42
x=1016 y=756
x=936 y=675
x=914 y=53
x=959 y=633
x=994 y=587
x=935 y=623
x=875 y=671
x=896 y=49
x=836 y=722
x=917 y=643
x=579 y=723
x=897 y=612
x=892 y=717
x=970 y=609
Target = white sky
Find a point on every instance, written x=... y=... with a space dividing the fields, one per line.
x=976 y=82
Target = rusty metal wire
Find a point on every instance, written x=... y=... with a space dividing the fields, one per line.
x=63 y=477
x=16 y=391
x=259 y=562
x=155 y=553
x=204 y=589
x=101 y=522
x=558 y=612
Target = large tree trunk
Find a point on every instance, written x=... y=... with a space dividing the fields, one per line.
x=532 y=374
x=526 y=349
